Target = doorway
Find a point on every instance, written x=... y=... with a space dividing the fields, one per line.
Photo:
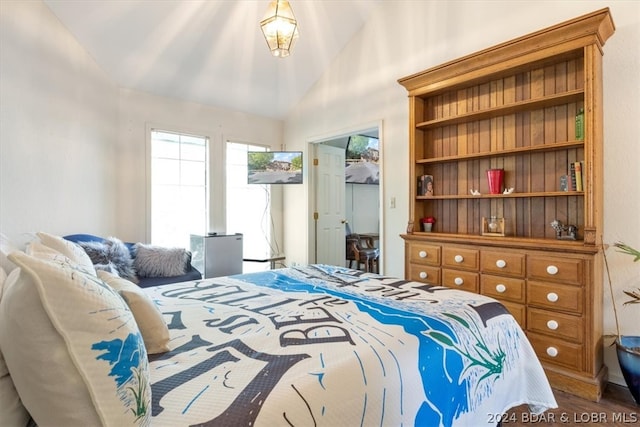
x=353 y=199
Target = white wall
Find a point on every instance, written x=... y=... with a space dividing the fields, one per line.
x=405 y=37
x=58 y=121
x=139 y=111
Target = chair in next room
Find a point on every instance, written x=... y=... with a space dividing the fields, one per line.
x=361 y=249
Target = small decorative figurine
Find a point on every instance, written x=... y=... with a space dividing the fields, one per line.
x=474 y=192
x=571 y=230
x=508 y=190
x=493 y=226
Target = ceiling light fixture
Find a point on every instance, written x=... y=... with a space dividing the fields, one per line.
x=280 y=28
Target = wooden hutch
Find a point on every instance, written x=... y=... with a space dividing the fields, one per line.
x=513 y=107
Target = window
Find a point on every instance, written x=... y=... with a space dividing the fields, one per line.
x=178 y=187
x=248 y=207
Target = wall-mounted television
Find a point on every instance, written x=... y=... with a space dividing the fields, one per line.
x=274 y=167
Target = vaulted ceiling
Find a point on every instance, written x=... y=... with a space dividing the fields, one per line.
x=211 y=51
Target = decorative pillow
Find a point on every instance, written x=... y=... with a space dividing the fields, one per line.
x=111 y=251
x=74 y=252
x=12 y=412
x=109 y=268
x=6 y=247
x=3 y=277
x=38 y=250
x=157 y=261
x=149 y=319
x=76 y=356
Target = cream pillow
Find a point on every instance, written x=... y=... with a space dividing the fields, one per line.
x=76 y=356
x=70 y=249
x=6 y=247
x=149 y=319
x=3 y=277
x=38 y=250
x=12 y=412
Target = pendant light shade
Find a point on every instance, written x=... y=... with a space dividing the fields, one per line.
x=280 y=28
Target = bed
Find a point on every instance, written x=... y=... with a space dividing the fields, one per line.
x=324 y=345
x=310 y=345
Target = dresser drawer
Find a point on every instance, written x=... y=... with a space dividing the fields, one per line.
x=456 y=279
x=517 y=311
x=461 y=258
x=424 y=273
x=512 y=264
x=557 y=351
x=555 y=297
x=557 y=269
x=559 y=325
x=424 y=254
x=503 y=288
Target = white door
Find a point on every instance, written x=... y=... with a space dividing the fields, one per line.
x=330 y=206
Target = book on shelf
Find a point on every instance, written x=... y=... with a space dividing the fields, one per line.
x=425 y=185
x=578 y=168
x=576 y=177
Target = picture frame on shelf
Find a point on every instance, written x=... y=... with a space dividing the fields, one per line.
x=425 y=185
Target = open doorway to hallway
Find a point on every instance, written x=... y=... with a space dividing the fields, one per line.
x=348 y=195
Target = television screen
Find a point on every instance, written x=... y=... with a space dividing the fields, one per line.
x=274 y=167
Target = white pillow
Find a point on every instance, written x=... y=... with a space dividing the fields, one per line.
x=6 y=247
x=149 y=319
x=3 y=277
x=40 y=251
x=70 y=249
x=76 y=356
x=12 y=412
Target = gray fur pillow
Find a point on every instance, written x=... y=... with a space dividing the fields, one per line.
x=158 y=261
x=111 y=251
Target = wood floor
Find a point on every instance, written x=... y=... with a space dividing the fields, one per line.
x=616 y=408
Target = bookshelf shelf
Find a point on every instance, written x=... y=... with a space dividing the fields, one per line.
x=504 y=196
x=500 y=153
x=515 y=107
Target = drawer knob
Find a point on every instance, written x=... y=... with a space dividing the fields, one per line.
x=458 y=281
x=552 y=269
x=422 y=254
x=552 y=351
x=501 y=263
x=552 y=324
x=501 y=288
x=552 y=297
x=423 y=275
x=458 y=258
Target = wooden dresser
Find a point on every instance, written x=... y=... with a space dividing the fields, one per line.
x=514 y=107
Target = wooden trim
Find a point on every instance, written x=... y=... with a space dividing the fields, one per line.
x=593 y=28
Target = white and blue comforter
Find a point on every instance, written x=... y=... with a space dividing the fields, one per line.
x=328 y=346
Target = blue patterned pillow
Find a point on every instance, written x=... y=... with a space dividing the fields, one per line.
x=99 y=336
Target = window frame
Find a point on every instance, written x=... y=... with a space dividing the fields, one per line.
x=150 y=128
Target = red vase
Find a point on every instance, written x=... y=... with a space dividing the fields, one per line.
x=495 y=178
